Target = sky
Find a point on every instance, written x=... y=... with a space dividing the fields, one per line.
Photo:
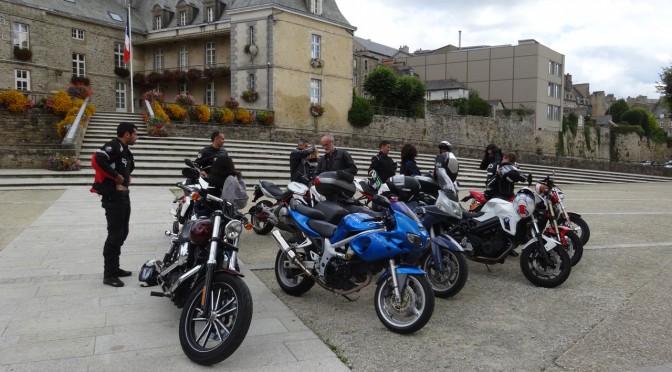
x=617 y=46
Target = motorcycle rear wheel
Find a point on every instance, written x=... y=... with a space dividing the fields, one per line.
x=455 y=271
x=412 y=312
x=261 y=227
x=545 y=274
x=294 y=282
x=209 y=340
x=578 y=225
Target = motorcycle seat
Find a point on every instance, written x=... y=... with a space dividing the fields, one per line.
x=307 y=211
x=274 y=190
x=324 y=228
x=366 y=188
x=363 y=209
x=333 y=212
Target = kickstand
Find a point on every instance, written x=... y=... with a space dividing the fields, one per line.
x=488 y=267
x=351 y=299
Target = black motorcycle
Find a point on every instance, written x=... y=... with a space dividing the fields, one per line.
x=200 y=274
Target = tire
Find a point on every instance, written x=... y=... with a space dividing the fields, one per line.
x=578 y=225
x=231 y=302
x=294 y=282
x=541 y=274
x=455 y=271
x=415 y=309
x=259 y=226
x=574 y=247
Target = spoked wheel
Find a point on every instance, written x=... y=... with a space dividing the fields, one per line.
x=211 y=333
x=451 y=279
x=291 y=279
x=260 y=224
x=545 y=270
x=412 y=311
x=578 y=225
x=573 y=246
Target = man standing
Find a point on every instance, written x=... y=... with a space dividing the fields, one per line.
x=301 y=161
x=334 y=159
x=506 y=174
x=382 y=164
x=115 y=161
x=209 y=153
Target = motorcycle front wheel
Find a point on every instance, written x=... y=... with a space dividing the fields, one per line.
x=261 y=226
x=211 y=333
x=291 y=279
x=572 y=245
x=412 y=311
x=578 y=225
x=545 y=270
x=451 y=279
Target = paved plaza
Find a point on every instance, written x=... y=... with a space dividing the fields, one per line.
x=614 y=313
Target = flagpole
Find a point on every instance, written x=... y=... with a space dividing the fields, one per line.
x=130 y=42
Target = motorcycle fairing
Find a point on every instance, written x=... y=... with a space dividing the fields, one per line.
x=504 y=211
x=549 y=243
x=563 y=232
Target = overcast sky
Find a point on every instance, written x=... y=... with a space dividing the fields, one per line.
x=616 y=46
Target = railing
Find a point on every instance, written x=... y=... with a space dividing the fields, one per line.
x=148 y=105
x=187 y=68
x=75 y=127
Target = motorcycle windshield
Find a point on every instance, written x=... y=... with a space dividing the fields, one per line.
x=445 y=183
x=401 y=207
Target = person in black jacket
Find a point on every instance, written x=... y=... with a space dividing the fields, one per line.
x=302 y=162
x=492 y=157
x=408 y=165
x=209 y=153
x=382 y=164
x=116 y=161
x=334 y=159
x=506 y=174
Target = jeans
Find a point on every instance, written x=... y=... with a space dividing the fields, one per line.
x=118 y=213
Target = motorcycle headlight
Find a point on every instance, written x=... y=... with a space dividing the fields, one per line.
x=415 y=239
x=233 y=229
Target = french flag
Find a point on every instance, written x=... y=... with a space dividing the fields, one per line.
x=127 y=40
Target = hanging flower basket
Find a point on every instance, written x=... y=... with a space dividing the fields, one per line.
x=194 y=74
x=251 y=49
x=316 y=109
x=23 y=54
x=317 y=62
x=122 y=72
x=249 y=96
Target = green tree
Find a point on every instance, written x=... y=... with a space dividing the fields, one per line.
x=665 y=87
x=474 y=105
x=410 y=95
x=382 y=85
x=617 y=109
x=361 y=112
x=641 y=117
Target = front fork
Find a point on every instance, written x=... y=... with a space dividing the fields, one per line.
x=212 y=262
x=398 y=282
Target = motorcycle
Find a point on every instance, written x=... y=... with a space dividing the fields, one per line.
x=493 y=234
x=546 y=213
x=343 y=258
x=185 y=205
x=265 y=214
x=200 y=274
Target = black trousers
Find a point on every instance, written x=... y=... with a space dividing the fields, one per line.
x=118 y=213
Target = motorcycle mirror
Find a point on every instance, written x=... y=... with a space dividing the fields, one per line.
x=189 y=163
x=529 y=179
x=190 y=173
x=381 y=201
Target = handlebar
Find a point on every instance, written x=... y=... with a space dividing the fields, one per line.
x=187 y=187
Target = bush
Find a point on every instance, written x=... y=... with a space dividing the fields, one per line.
x=265 y=118
x=201 y=113
x=361 y=112
x=231 y=103
x=159 y=113
x=243 y=116
x=224 y=116
x=14 y=100
x=62 y=103
x=59 y=162
x=175 y=112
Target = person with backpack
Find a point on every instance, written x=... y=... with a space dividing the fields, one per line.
x=114 y=164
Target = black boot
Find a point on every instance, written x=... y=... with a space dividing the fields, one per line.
x=113 y=281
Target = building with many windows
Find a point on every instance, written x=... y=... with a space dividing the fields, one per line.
x=528 y=75
x=284 y=54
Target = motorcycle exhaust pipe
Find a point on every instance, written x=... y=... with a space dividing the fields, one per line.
x=295 y=260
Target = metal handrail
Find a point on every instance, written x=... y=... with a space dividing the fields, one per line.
x=72 y=132
x=149 y=108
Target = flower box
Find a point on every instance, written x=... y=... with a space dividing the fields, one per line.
x=317 y=62
x=250 y=96
x=316 y=109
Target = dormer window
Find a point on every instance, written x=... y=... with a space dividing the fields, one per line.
x=187 y=12
x=213 y=10
x=314 y=6
x=210 y=14
x=183 y=18
x=157 y=23
x=161 y=16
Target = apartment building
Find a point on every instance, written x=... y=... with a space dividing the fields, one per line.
x=288 y=52
x=367 y=55
x=528 y=75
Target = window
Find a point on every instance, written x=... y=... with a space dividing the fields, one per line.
x=20 y=35
x=115 y=16
x=22 y=81
x=183 y=62
x=315 y=46
x=366 y=65
x=77 y=34
x=553 y=113
x=251 y=82
x=446 y=95
x=120 y=96
x=157 y=23
x=210 y=60
x=554 y=90
x=554 y=68
x=158 y=59
x=250 y=35
x=210 y=14
x=315 y=90
x=316 y=6
x=78 y=64
x=354 y=64
x=183 y=18
x=210 y=93
x=118 y=55
x=182 y=88
x=354 y=80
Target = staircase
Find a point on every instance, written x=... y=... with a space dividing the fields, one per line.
x=159 y=161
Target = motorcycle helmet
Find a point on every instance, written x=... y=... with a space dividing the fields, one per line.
x=403 y=187
x=524 y=202
x=446 y=145
x=149 y=274
x=200 y=232
x=541 y=188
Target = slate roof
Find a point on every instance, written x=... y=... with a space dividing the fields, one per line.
x=95 y=11
x=443 y=85
x=381 y=49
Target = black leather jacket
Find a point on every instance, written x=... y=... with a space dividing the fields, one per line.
x=338 y=160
